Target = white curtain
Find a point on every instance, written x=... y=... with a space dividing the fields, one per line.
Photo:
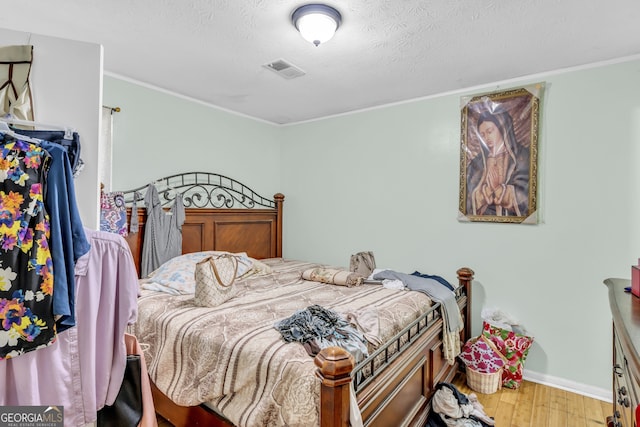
x=105 y=154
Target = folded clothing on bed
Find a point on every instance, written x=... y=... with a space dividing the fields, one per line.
x=333 y=276
x=436 y=278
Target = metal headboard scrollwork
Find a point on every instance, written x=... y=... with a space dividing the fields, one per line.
x=203 y=190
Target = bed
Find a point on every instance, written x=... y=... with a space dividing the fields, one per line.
x=191 y=386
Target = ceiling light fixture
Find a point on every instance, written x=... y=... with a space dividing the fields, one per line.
x=316 y=22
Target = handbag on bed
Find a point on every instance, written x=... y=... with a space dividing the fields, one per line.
x=214 y=277
x=362 y=263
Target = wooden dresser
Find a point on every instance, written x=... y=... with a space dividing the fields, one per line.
x=625 y=310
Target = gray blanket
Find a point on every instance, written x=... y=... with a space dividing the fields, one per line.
x=435 y=290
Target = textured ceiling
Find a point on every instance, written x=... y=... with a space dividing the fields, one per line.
x=385 y=51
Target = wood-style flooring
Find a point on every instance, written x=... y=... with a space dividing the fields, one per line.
x=532 y=405
x=537 y=405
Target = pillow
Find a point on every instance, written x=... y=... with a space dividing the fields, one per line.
x=333 y=276
x=176 y=276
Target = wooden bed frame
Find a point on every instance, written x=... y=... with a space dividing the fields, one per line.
x=395 y=394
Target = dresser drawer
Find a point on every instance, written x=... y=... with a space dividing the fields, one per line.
x=625 y=397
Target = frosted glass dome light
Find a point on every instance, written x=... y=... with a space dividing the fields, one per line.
x=317 y=23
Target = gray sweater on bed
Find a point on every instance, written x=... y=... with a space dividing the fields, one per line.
x=434 y=289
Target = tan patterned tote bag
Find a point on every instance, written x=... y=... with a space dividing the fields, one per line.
x=214 y=278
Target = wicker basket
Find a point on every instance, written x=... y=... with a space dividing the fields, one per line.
x=484 y=383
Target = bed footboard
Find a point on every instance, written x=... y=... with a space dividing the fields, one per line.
x=398 y=392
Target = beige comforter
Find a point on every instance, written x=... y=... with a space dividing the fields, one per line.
x=234 y=359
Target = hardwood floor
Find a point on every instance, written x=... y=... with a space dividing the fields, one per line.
x=537 y=405
x=532 y=405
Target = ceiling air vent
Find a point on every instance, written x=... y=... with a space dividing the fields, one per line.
x=284 y=69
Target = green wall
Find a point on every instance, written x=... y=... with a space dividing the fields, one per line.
x=387 y=180
x=158 y=134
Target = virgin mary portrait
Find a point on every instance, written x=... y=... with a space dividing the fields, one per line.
x=498 y=175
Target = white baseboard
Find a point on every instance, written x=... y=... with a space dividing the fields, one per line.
x=568 y=385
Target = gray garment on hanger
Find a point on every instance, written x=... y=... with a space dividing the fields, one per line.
x=162 y=231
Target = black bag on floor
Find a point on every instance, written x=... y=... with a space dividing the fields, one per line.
x=126 y=411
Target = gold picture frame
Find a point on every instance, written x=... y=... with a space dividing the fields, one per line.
x=499 y=155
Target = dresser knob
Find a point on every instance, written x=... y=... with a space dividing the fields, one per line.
x=623 y=391
x=617 y=369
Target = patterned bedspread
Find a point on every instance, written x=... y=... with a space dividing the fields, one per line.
x=233 y=358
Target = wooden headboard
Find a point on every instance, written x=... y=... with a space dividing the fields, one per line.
x=221 y=214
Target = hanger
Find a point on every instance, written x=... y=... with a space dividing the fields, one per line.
x=10 y=119
x=4 y=128
x=168 y=186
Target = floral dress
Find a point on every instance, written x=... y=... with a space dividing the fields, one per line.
x=26 y=272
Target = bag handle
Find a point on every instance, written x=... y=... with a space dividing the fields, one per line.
x=215 y=269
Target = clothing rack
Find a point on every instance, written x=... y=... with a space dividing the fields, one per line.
x=203 y=190
x=10 y=120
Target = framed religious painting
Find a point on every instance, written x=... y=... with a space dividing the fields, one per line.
x=499 y=155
